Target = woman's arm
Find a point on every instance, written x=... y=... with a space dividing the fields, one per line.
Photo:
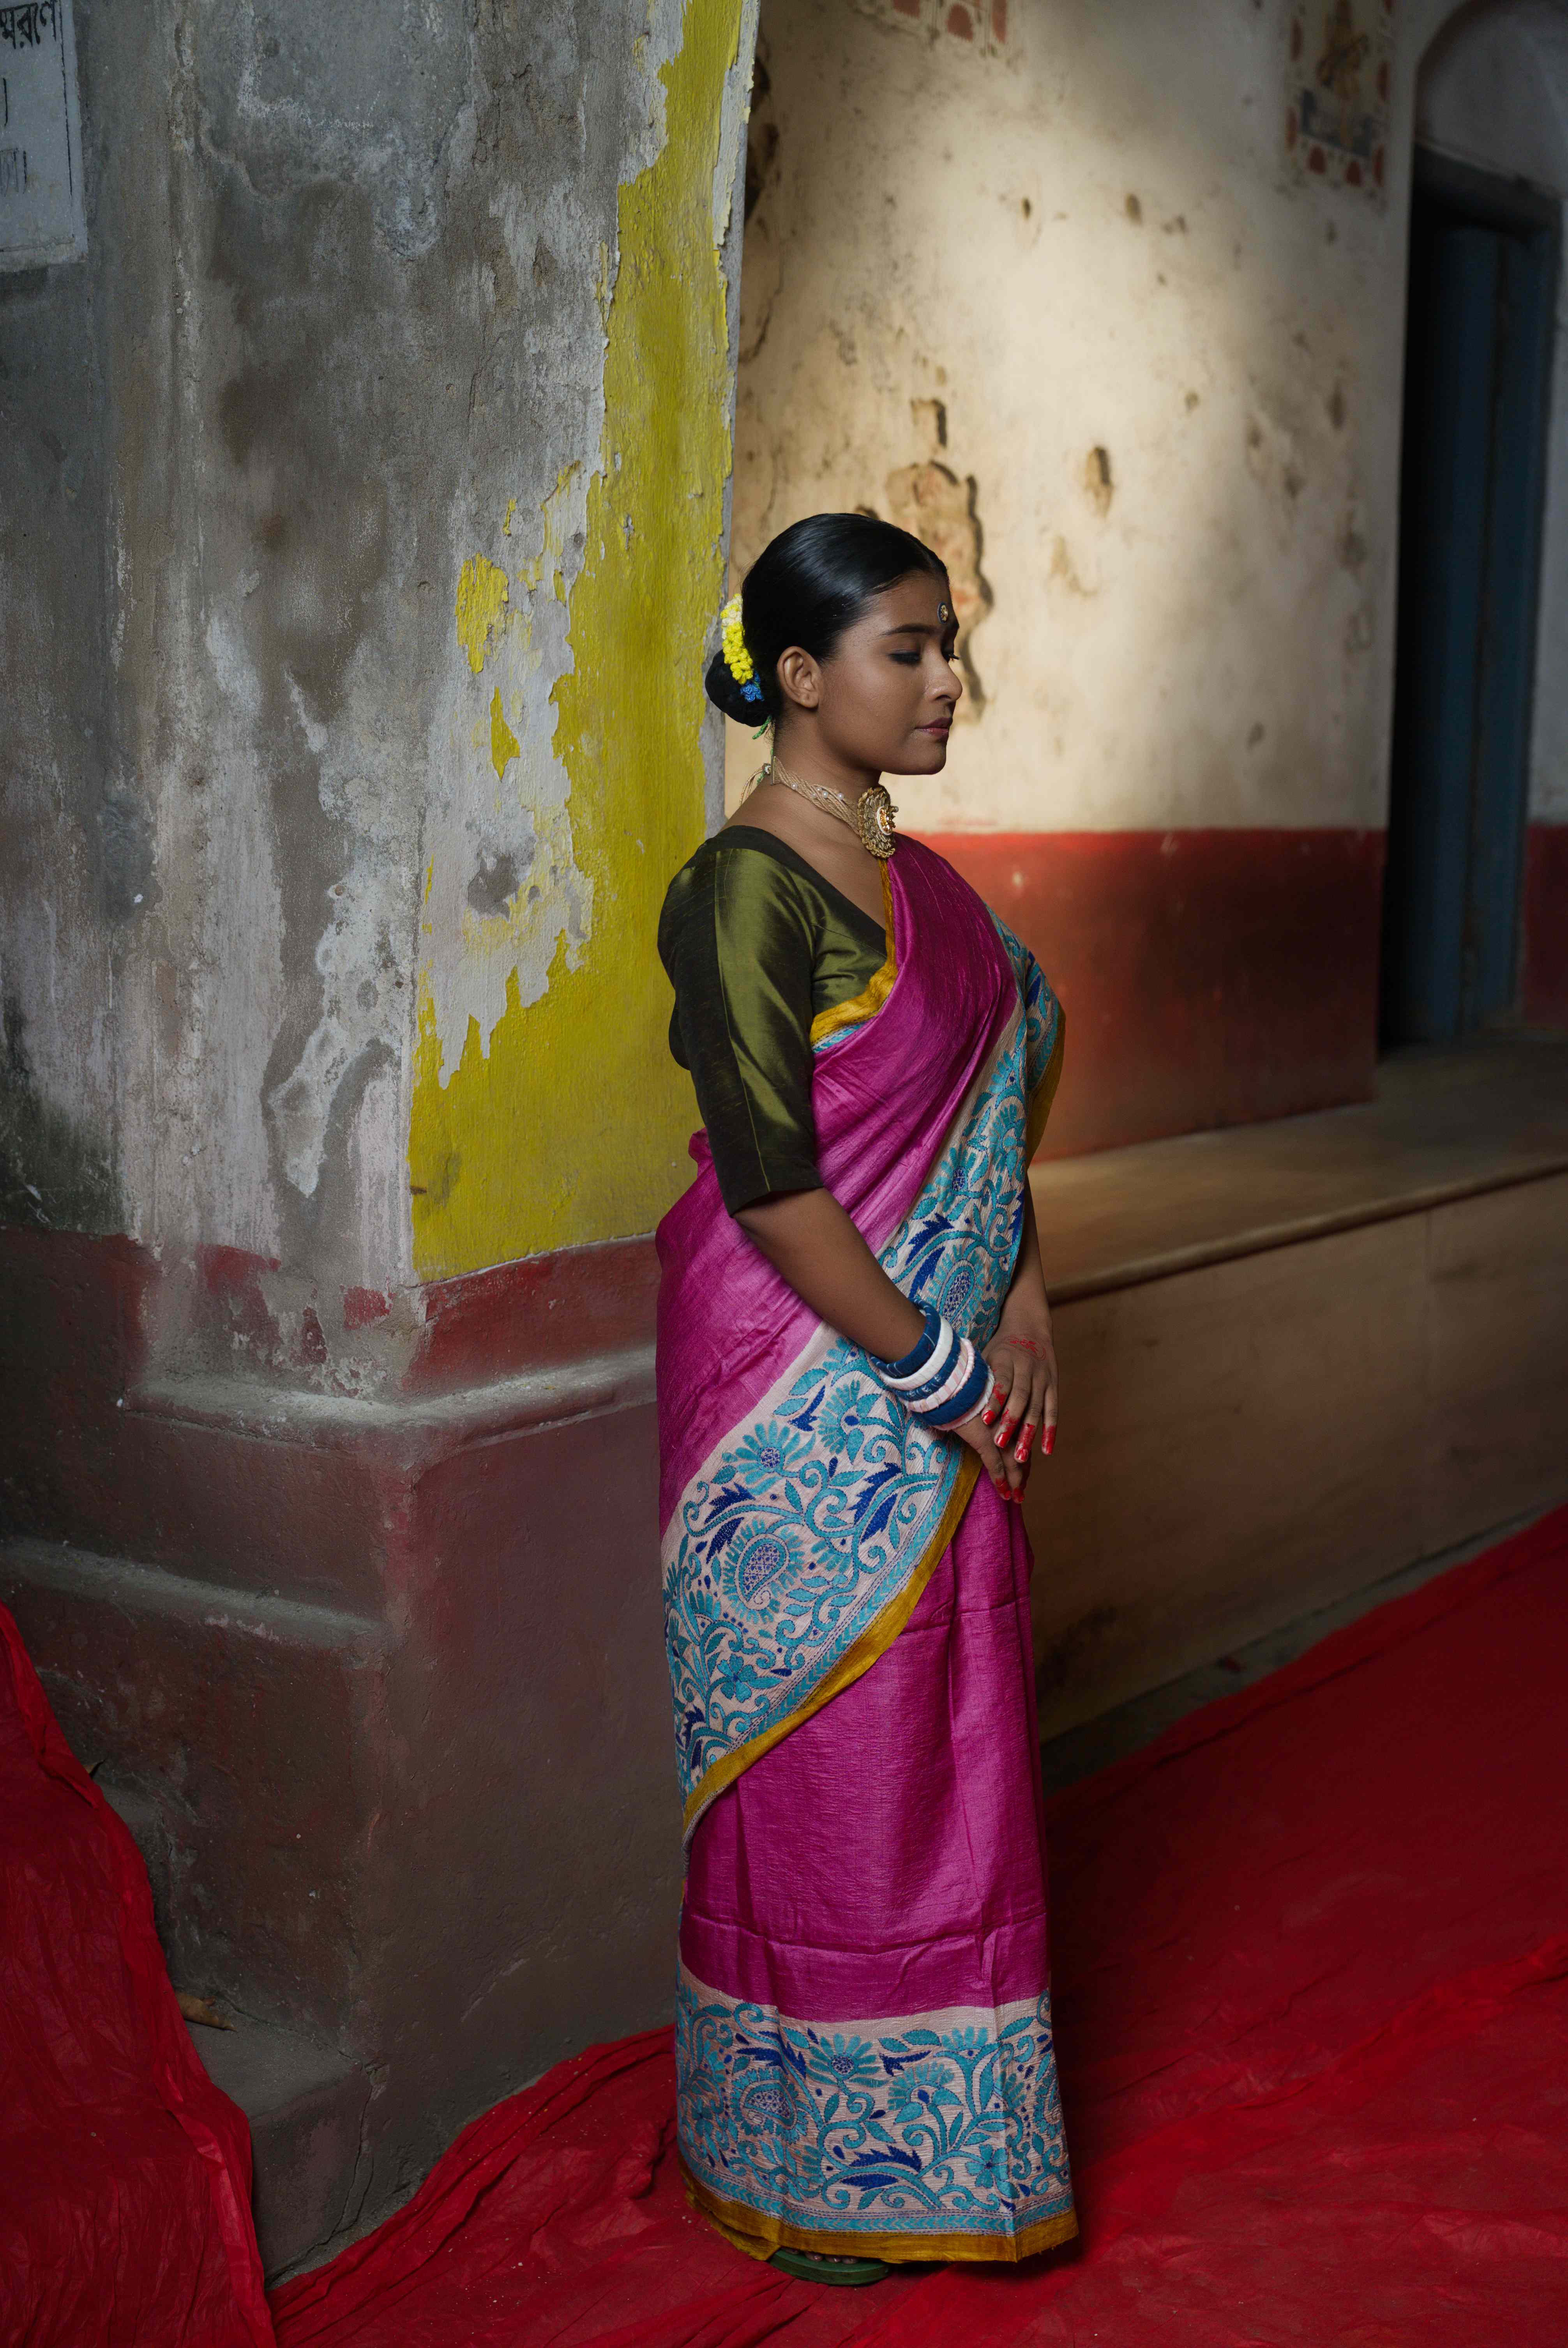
x=807 y=1236
x=809 y=1239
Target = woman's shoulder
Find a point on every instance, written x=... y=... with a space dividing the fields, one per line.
x=749 y=875
x=752 y=866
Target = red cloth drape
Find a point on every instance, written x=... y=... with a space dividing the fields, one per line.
x=125 y=2177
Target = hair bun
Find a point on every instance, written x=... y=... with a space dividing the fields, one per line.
x=743 y=703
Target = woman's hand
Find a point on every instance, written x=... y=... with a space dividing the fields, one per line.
x=1023 y=1399
x=1005 y=1474
x=1022 y=1405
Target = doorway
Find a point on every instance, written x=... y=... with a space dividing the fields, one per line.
x=1482 y=285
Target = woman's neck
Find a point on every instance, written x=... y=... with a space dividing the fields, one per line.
x=805 y=756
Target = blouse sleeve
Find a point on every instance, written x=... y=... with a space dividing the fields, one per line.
x=737 y=940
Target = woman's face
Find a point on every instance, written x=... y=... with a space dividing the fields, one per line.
x=884 y=696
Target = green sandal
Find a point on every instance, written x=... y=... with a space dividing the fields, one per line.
x=821 y=2266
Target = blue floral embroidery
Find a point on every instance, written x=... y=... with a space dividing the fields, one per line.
x=810 y=1519
x=924 y=2126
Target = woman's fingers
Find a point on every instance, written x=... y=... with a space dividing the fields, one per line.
x=977 y=1435
x=1022 y=1448
x=1017 y=1375
x=1020 y=1414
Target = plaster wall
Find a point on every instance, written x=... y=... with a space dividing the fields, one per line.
x=1066 y=291
x=364 y=498
x=1081 y=277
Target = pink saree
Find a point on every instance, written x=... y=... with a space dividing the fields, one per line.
x=863 y=2019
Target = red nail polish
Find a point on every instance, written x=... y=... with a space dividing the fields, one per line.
x=988 y=1418
x=1050 y=1444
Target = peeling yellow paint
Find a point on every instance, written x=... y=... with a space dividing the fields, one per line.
x=553 y=514
x=506 y=525
x=482 y=589
x=504 y=742
x=571 y=1124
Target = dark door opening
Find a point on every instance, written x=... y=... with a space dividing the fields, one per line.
x=1477 y=354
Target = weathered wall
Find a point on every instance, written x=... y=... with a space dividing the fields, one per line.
x=73 y=860
x=365 y=519
x=1494 y=92
x=544 y=1109
x=365 y=495
x=1070 y=303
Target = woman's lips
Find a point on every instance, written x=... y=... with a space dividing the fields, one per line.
x=941 y=726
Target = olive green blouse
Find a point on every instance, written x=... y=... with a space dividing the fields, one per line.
x=757 y=944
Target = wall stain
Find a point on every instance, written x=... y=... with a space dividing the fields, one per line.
x=930 y=500
x=495 y=884
x=54 y=1174
x=1063 y=567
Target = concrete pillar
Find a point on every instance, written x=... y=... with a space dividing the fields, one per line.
x=364 y=501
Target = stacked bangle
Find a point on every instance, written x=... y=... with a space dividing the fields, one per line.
x=942 y=1379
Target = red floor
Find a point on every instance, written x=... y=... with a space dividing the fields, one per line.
x=1312 y=2010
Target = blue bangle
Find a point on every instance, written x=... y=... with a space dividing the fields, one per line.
x=920 y=1353
x=969 y=1398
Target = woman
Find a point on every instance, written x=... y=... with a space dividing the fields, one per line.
x=854 y=1359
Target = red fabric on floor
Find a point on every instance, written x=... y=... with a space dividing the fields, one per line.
x=1312 y=2016
x=125 y=2177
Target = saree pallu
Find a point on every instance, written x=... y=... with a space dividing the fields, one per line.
x=863 y=2020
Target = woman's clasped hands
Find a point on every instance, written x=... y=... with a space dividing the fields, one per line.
x=1021 y=1409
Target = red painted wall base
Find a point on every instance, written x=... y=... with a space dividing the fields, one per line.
x=1544 y=988
x=1210 y=978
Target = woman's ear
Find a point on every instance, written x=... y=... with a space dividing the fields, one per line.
x=800 y=679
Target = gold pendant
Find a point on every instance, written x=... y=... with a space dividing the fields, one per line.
x=874 y=814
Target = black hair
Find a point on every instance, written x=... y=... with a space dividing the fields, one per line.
x=806 y=587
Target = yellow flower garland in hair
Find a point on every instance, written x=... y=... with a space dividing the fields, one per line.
x=737 y=659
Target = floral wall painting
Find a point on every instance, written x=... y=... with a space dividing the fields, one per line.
x=1337 y=92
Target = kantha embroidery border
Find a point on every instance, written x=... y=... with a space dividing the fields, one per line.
x=942 y=2131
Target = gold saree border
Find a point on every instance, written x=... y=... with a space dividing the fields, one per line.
x=875 y=992
x=759 y=2237
x=1044 y=1093
x=855 y=1660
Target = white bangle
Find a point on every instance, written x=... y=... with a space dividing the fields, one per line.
x=960 y=1377
x=936 y=1363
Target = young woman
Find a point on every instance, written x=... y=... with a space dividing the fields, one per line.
x=854 y=1362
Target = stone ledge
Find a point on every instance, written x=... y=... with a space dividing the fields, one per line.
x=421 y=1423
x=1446 y=1126
x=141 y=1589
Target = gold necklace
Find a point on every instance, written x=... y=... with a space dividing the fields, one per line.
x=871 y=817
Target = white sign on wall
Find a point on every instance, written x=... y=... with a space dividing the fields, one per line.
x=41 y=216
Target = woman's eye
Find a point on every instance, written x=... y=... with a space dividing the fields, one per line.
x=906 y=660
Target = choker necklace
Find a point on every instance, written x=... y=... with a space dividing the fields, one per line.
x=870 y=818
